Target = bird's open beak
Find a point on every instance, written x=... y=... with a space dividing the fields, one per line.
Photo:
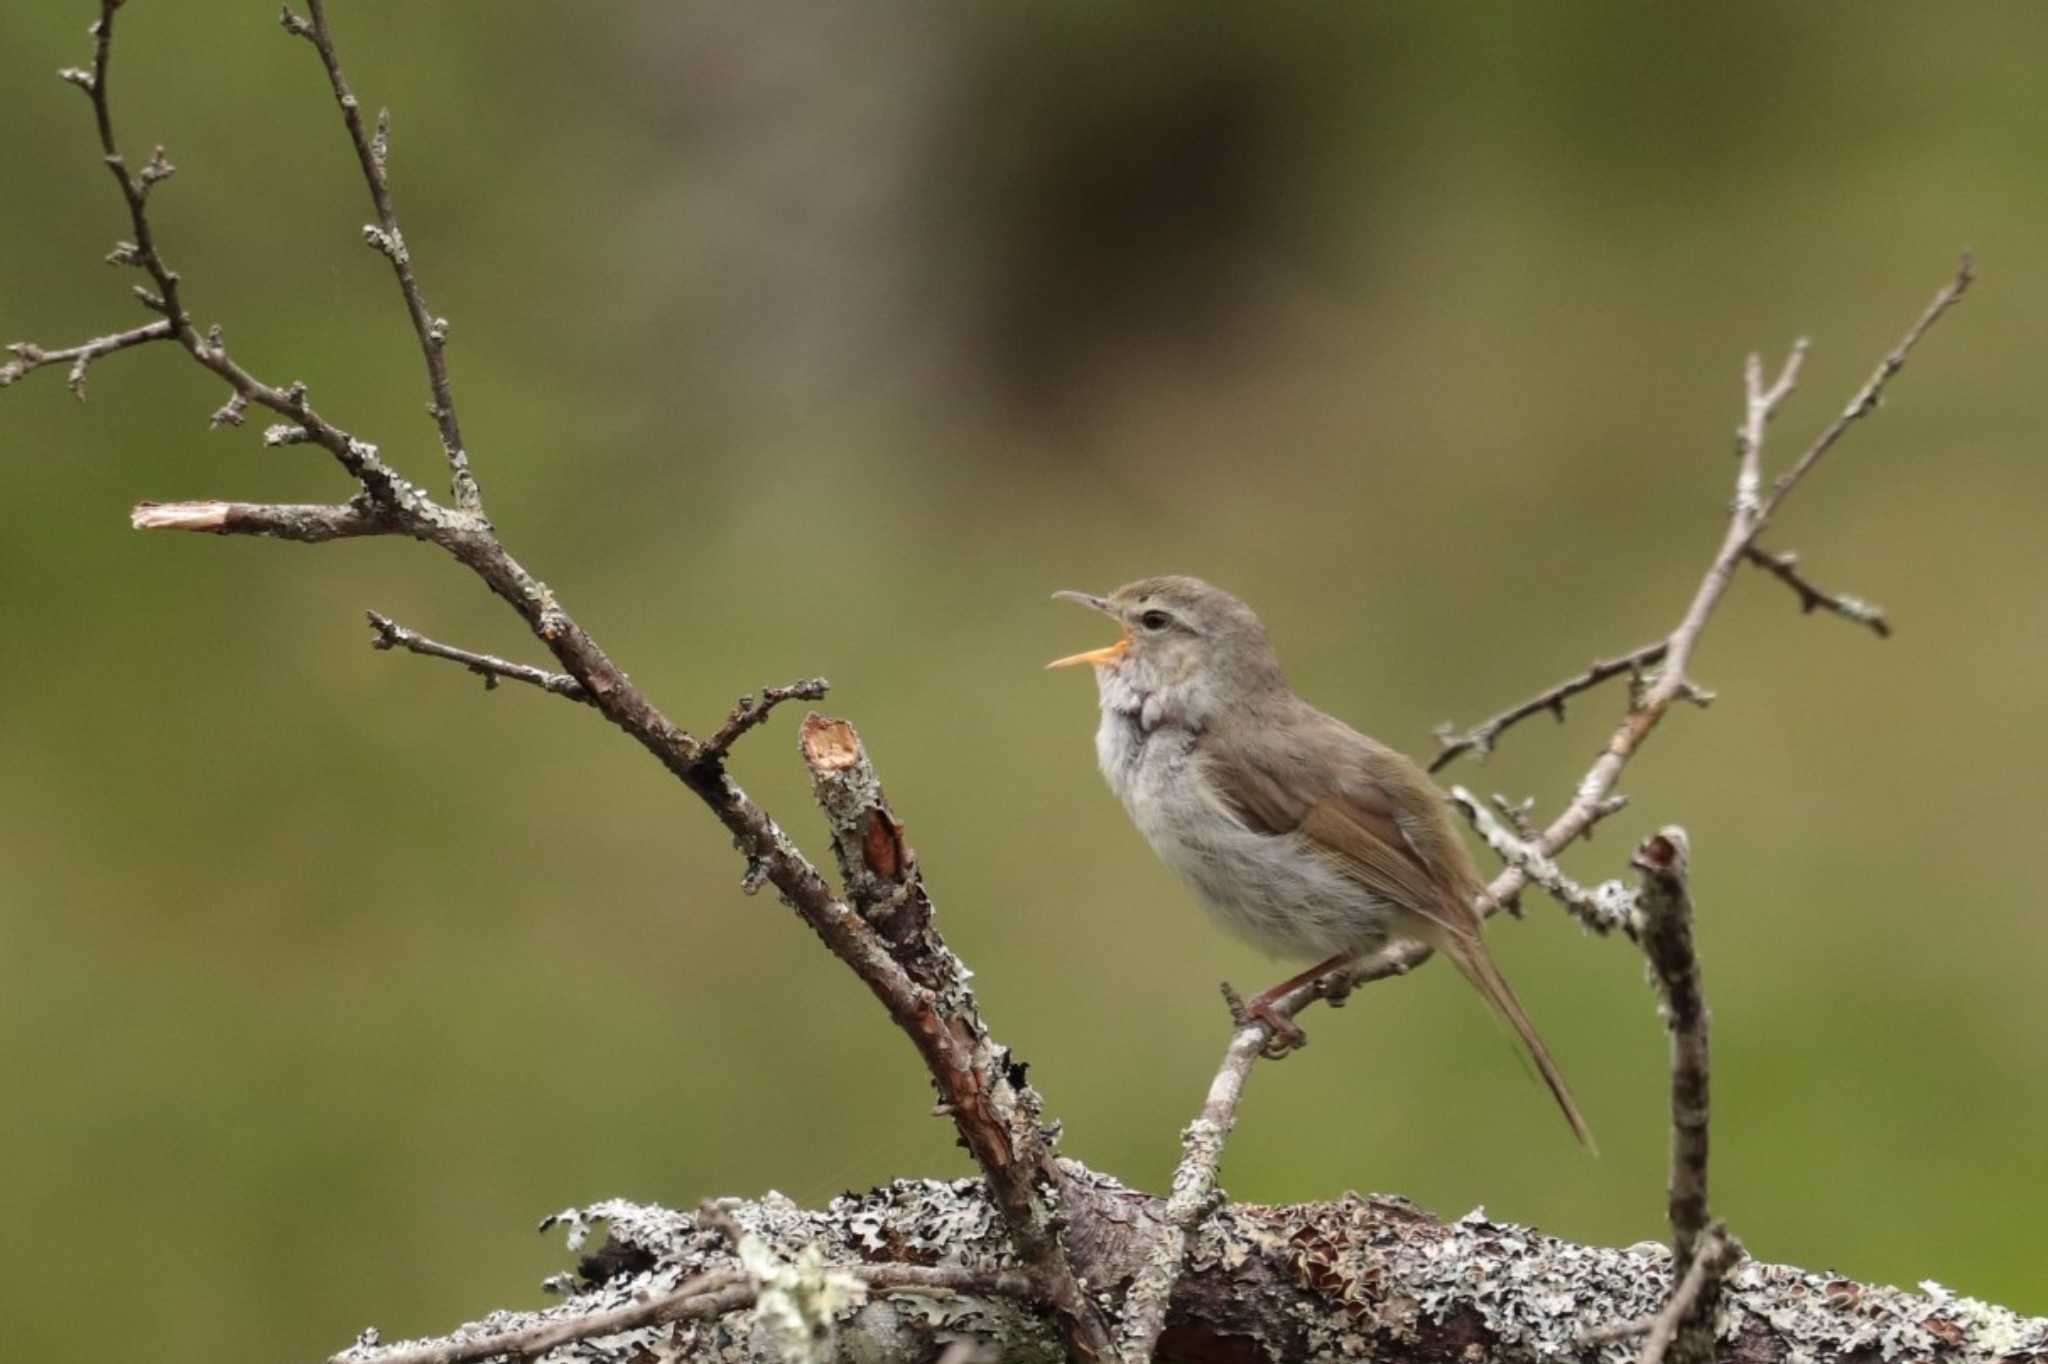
x=1108 y=653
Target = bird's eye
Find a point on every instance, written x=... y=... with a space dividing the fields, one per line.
x=1155 y=620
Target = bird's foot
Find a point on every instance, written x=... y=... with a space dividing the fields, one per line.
x=1287 y=1035
x=1283 y=1034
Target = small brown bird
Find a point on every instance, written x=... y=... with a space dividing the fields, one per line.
x=1300 y=834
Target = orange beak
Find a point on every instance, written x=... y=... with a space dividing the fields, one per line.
x=1108 y=653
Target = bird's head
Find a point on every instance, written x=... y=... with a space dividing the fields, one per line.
x=1187 y=648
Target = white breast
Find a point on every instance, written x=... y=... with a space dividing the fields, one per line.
x=1270 y=890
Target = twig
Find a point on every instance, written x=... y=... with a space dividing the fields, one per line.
x=1671 y=682
x=1479 y=739
x=706 y=1295
x=385 y=237
x=1521 y=814
x=1666 y=915
x=358 y=458
x=1785 y=568
x=1871 y=395
x=751 y=712
x=1194 y=1196
x=28 y=356
x=392 y=635
x=1752 y=512
x=1604 y=909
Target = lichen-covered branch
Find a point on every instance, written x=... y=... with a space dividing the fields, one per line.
x=1364 y=1279
x=1605 y=908
x=308 y=523
x=1194 y=1195
x=980 y=1086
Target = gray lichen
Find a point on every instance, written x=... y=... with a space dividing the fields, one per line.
x=1354 y=1279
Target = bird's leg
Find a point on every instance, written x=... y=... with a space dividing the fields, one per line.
x=1286 y=1036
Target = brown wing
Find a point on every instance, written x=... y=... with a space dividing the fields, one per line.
x=1370 y=811
x=1376 y=815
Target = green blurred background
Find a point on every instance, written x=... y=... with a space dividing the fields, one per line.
x=797 y=338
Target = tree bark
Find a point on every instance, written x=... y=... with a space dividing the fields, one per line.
x=1357 y=1279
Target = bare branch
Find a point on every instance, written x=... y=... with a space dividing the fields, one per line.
x=1761 y=403
x=1479 y=739
x=1868 y=398
x=373 y=153
x=750 y=713
x=1671 y=682
x=308 y=523
x=29 y=357
x=1785 y=568
x=1604 y=909
x=392 y=635
x=358 y=458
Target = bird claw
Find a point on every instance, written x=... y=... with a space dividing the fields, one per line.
x=1283 y=1034
x=1286 y=1036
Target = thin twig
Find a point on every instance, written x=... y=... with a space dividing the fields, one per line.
x=1671 y=682
x=1479 y=740
x=1785 y=568
x=706 y=1295
x=385 y=237
x=751 y=712
x=392 y=635
x=1871 y=395
x=358 y=458
x=1604 y=909
x=28 y=356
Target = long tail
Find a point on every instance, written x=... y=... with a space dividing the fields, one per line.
x=1472 y=958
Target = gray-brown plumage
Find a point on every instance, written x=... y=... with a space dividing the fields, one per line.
x=1299 y=833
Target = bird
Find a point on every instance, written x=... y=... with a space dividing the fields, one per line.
x=1297 y=832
